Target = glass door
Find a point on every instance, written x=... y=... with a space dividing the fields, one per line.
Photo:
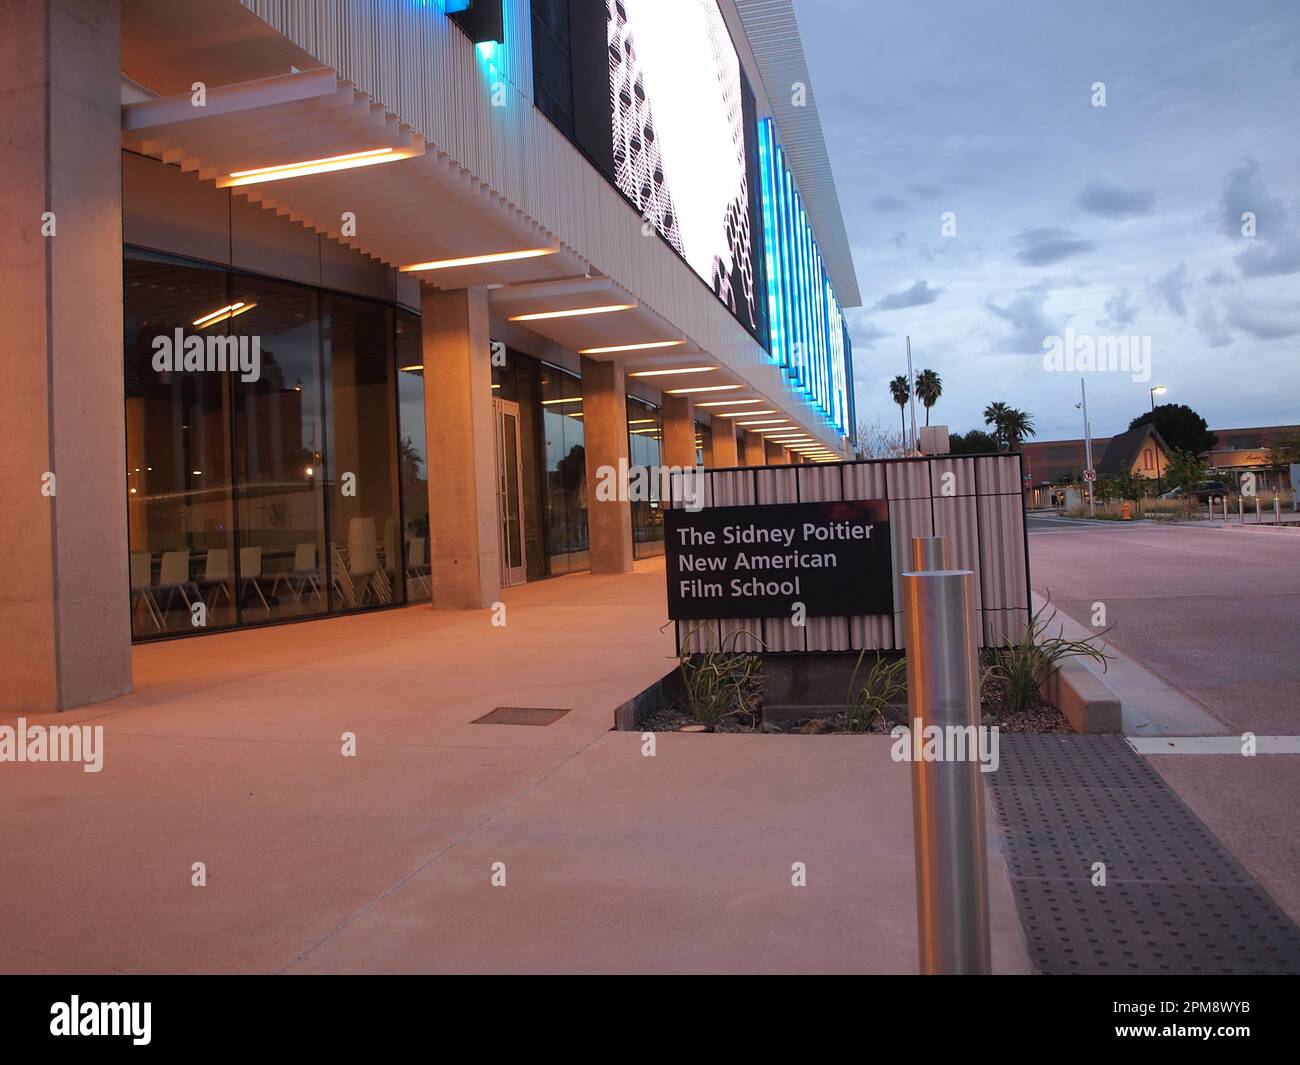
x=510 y=498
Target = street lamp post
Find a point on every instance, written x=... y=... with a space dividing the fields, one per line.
x=1091 y=474
x=1158 y=390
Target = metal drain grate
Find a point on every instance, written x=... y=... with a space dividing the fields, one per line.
x=521 y=715
x=1175 y=900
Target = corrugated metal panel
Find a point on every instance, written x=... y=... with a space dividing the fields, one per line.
x=984 y=527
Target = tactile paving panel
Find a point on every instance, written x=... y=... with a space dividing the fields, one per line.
x=1175 y=900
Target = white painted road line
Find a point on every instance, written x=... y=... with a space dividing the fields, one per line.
x=1212 y=744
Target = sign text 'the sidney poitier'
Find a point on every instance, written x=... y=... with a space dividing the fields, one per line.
x=757 y=562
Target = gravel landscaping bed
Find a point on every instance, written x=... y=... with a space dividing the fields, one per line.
x=1041 y=716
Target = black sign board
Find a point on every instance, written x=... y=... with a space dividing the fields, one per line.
x=759 y=561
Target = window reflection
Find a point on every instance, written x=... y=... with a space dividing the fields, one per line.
x=360 y=427
x=645 y=434
x=179 y=503
x=413 y=458
x=566 y=473
x=311 y=519
x=278 y=455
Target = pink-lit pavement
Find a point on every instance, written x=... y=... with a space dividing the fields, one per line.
x=229 y=752
x=1213 y=613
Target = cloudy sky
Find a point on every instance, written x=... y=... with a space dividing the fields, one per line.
x=1115 y=220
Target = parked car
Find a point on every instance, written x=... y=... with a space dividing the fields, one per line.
x=1204 y=491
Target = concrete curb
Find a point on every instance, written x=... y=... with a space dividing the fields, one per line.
x=1084 y=698
x=666 y=690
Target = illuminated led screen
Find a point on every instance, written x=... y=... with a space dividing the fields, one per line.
x=681 y=119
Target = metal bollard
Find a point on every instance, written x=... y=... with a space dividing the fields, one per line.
x=952 y=903
x=929 y=553
x=1241 y=511
x=1277 y=509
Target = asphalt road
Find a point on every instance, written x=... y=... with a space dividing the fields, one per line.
x=1214 y=611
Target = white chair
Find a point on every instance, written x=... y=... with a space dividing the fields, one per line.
x=417 y=573
x=174 y=576
x=142 y=587
x=363 y=558
x=216 y=576
x=250 y=572
x=303 y=574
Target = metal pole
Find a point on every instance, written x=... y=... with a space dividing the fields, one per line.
x=1152 y=393
x=1277 y=509
x=1241 y=511
x=952 y=902
x=929 y=553
x=1257 y=518
x=1087 y=447
x=911 y=384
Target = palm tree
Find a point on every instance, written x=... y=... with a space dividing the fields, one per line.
x=994 y=414
x=1016 y=425
x=929 y=387
x=902 y=392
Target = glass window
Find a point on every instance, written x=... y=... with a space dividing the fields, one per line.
x=278 y=458
x=179 y=498
x=413 y=458
x=703 y=444
x=552 y=66
x=266 y=475
x=566 y=473
x=645 y=434
x=360 y=430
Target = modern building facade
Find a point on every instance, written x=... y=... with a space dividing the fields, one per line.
x=324 y=307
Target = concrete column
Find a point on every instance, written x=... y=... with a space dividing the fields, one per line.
x=604 y=421
x=754 y=453
x=726 y=452
x=64 y=600
x=460 y=428
x=776 y=454
x=679 y=431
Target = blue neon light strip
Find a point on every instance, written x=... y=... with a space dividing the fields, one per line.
x=807 y=332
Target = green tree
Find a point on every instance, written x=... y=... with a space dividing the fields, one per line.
x=994 y=414
x=1180 y=426
x=901 y=391
x=929 y=387
x=1016 y=425
x=1186 y=472
x=974 y=442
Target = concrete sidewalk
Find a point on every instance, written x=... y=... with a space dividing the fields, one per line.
x=229 y=753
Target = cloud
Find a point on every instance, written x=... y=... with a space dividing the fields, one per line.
x=1270 y=257
x=1172 y=287
x=1120 y=313
x=918 y=295
x=1212 y=327
x=1110 y=201
x=1029 y=325
x=1261 y=324
x=888 y=204
x=863 y=332
x=1274 y=249
x=1042 y=247
x=927 y=192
